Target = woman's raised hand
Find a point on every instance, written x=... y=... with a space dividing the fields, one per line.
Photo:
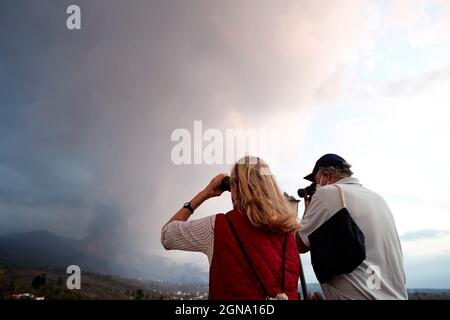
x=213 y=188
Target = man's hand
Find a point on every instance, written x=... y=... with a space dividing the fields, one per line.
x=213 y=188
x=307 y=202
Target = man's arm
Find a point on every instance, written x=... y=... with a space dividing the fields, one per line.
x=315 y=215
x=301 y=246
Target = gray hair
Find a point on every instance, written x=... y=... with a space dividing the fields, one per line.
x=338 y=172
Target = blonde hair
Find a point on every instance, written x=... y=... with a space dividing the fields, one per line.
x=259 y=196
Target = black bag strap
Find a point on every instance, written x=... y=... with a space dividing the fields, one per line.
x=283 y=266
x=249 y=261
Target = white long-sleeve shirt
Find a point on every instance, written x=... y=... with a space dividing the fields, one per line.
x=381 y=275
x=194 y=235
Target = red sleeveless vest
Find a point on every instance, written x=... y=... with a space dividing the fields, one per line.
x=231 y=277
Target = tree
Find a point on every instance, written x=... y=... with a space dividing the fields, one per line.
x=139 y=294
x=2 y=272
x=12 y=287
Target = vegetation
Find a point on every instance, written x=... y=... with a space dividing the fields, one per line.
x=425 y=294
x=94 y=286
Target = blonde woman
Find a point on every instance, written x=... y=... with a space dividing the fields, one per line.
x=251 y=249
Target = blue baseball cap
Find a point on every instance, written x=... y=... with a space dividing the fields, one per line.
x=328 y=160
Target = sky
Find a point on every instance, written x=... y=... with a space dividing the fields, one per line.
x=87 y=116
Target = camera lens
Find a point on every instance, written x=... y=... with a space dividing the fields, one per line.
x=308 y=191
x=301 y=192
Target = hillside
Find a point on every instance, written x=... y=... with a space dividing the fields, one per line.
x=24 y=256
x=94 y=286
x=47 y=250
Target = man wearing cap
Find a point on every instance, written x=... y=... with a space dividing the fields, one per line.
x=357 y=226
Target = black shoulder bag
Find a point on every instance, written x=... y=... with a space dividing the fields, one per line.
x=337 y=246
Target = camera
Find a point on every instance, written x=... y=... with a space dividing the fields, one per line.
x=225 y=184
x=307 y=192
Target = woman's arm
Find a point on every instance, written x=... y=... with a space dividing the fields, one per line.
x=194 y=235
x=211 y=190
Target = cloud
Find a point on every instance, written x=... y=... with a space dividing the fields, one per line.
x=406 y=12
x=418 y=18
x=418 y=83
x=424 y=234
x=331 y=88
x=86 y=117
